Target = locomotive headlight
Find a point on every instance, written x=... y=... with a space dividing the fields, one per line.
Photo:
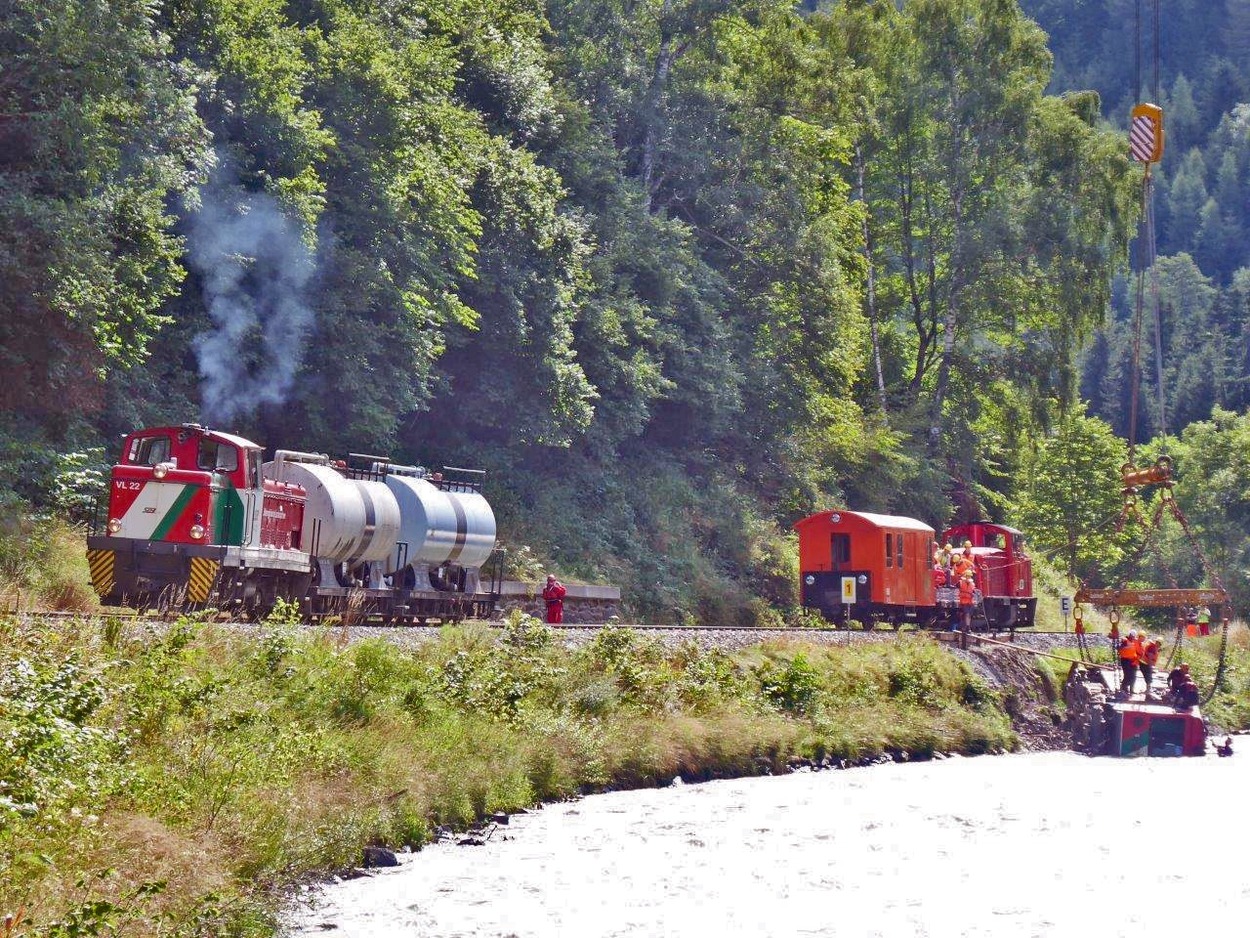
x=197 y=531
x=863 y=578
x=115 y=525
x=809 y=580
x=160 y=470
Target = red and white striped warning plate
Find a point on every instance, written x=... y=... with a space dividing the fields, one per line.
x=1142 y=139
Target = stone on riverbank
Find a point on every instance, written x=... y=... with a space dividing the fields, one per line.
x=379 y=857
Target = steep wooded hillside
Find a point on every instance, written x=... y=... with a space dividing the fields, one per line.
x=675 y=272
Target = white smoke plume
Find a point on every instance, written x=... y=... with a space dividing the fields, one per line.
x=255 y=270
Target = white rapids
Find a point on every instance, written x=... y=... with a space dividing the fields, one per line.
x=1050 y=844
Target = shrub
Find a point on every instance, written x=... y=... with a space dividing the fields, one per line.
x=792 y=686
x=43 y=562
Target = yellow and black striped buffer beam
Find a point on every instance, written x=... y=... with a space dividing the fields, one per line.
x=101 y=563
x=203 y=573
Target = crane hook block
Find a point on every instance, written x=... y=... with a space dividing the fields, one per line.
x=1145 y=133
x=1158 y=473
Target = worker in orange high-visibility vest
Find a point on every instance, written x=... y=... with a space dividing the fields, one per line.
x=964 y=565
x=1149 y=658
x=967 y=599
x=1129 y=653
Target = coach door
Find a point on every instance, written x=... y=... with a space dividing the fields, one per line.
x=839 y=552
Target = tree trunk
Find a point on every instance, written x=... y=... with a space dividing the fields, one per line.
x=664 y=58
x=951 y=320
x=872 y=282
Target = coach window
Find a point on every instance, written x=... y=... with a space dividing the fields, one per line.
x=898 y=546
x=889 y=550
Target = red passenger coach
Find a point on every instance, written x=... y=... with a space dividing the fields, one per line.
x=866 y=567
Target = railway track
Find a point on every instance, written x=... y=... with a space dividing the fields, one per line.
x=726 y=637
x=139 y=616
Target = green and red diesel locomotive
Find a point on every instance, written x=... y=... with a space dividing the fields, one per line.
x=197 y=518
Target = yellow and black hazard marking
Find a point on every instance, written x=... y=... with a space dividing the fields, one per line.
x=101 y=564
x=203 y=574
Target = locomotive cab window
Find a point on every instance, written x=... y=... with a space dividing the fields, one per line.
x=889 y=549
x=253 y=469
x=214 y=455
x=148 y=451
x=840 y=550
x=994 y=539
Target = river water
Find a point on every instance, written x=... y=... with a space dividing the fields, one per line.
x=1052 y=844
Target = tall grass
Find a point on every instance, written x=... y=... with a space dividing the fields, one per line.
x=43 y=565
x=178 y=780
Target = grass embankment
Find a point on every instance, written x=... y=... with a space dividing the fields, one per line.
x=178 y=781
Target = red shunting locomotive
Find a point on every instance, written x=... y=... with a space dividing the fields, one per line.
x=868 y=568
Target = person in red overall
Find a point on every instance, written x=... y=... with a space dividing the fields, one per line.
x=939 y=576
x=553 y=595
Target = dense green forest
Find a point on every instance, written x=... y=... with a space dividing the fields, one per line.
x=675 y=272
x=1202 y=195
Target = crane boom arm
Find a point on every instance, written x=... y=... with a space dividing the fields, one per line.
x=1148 y=597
